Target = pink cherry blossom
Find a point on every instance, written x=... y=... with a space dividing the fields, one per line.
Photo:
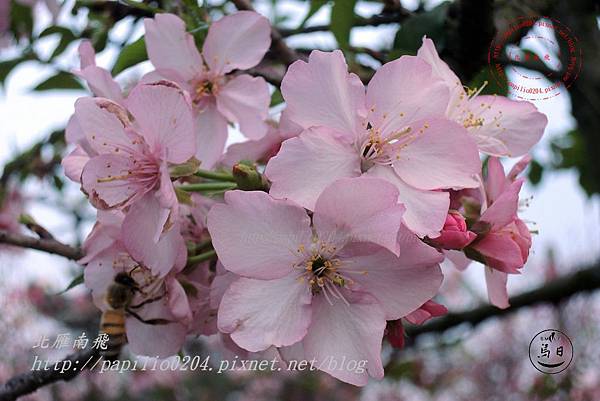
x=235 y=42
x=501 y=127
x=130 y=170
x=312 y=286
x=454 y=234
x=133 y=156
x=504 y=240
x=396 y=130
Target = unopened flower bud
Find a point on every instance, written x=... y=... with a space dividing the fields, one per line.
x=248 y=178
x=455 y=234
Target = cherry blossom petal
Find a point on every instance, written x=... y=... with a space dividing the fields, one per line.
x=170 y=47
x=401 y=284
x=212 y=135
x=496 y=286
x=257 y=236
x=236 y=41
x=177 y=301
x=160 y=340
x=510 y=127
x=245 y=100
x=425 y=210
x=501 y=252
x=504 y=208
x=440 y=69
x=350 y=333
x=99 y=274
x=367 y=207
x=403 y=91
x=261 y=313
x=495 y=182
x=518 y=167
x=323 y=93
x=101 y=181
x=87 y=54
x=99 y=80
x=105 y=234
x=458 y=259
x=145 y=240
x=101 y=83
x=439 y=154
x=164 y=114
x=307 y=164
x=103 y=123
x=253 y=150
x=74 y=163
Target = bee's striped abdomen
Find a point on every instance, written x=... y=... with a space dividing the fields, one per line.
x=113 y=324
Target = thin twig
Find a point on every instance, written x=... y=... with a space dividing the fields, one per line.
x=66 y=369
x=47 y=245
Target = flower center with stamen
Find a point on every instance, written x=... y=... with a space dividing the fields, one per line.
x=322 y=272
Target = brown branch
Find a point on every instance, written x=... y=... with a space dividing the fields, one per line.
x=47 y=245
x=66 y=369
x=278 y=45
x=381 y=19
x=585 y=280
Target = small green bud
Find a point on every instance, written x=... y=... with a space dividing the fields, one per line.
x=248 y=178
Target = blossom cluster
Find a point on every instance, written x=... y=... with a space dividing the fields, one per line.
x=321 y=233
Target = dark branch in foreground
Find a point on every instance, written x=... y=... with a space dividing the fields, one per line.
x=46 y=245
x=29 y=382
x=551 y=293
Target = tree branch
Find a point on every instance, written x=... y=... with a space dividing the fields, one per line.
x=386 y=18
x=553 y=292
x=66 y=369
x=278 y=45
x=46 y=245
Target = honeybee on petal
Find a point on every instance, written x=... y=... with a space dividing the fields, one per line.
x=119 y=298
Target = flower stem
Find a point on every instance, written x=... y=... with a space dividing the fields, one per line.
x=208 y=186
x=203 y=257
x=213 y=175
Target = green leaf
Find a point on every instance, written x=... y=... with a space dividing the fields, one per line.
x=62 y=80
x=342 y=21
x=74 y=283
x=66 y=37
x=131 y=55
x=493 y=87
x=536 y=170
x=276 y=98
x=315 y=5
x=410 y=35
x=21 y=19
x=7 y=66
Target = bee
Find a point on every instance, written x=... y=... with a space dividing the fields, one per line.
x=119 y=298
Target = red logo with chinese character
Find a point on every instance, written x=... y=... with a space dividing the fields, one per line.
x=549 y=47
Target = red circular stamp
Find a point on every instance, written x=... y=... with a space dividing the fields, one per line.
x=552 y=49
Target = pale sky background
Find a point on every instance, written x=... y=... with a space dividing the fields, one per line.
x=568 y=221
